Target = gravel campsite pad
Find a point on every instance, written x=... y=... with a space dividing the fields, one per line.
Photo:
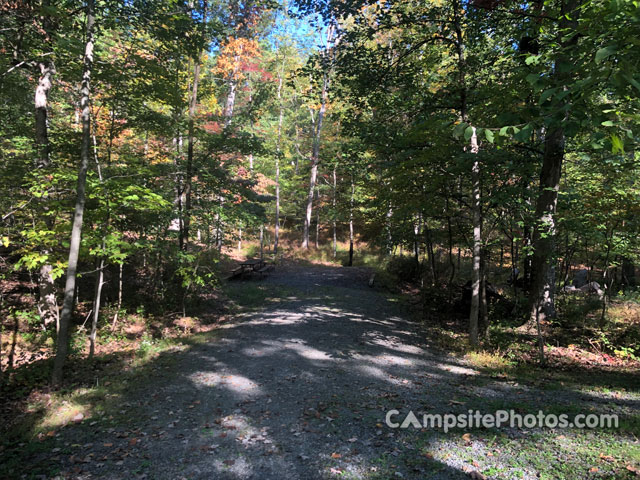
x=297 y=386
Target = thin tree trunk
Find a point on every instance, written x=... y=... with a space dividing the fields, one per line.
x=96 y=306
x=333 y=220
x=186 y=222
x=231 y=95
x=315 y=156
x=47 y=70
x=318 y=220
x=115 y=317
x=431 y=254
x=475 y=181
x=476 y=277
x=315 y=160
x=389 y=226
x=416 y=239
x=261 y=241
x=353 y=194
x=76 y=229
x=47 y=303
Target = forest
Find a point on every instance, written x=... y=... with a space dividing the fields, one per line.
x=469 y=165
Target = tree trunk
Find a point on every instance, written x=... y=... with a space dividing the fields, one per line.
x=318 y=220
x=76 y=228
x=333 y=219
x=276 y=236
x=47 y=303
x=231 y=96
x=628 y=272
x=186 y=222
x=542 y=305
x=315 y=159
x=543 y=265
x=96 y=306
x=416 y=239
x=353 y=194
x=315 y=156
x=47 y=70
x=476 y=277
x=261 y=241
x=115 y=317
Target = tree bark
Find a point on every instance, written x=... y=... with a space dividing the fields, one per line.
x=315 y=156
x=353 y=195
x=476 y=277
x=186 y=222
x=315 y=160
x=333 y=220
x=276 y=236
x=543 y=269
x=115 y=317
x=76 y=228
x=193 y=103
x=318 y=219
x=96 y=306
x=47 y=70
x=47 y=302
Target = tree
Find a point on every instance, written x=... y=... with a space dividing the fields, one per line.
x=76 y=228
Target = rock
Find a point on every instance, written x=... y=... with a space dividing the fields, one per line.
x=569 y=289
x=580 y=278
x=592 y=287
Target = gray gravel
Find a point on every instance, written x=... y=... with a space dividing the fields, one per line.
x=297 y=389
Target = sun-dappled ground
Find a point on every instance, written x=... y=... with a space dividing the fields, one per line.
x=297 y=385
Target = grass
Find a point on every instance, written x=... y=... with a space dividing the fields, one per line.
x=491 y=362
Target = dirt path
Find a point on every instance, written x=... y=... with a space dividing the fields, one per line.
x=299 y=388
x=296 y=387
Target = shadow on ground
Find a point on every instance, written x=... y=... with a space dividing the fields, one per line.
x=299 y=389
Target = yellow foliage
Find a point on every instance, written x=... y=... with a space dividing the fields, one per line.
x=234 y=54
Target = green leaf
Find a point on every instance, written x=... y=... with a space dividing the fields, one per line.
x=468 y=133
x=504 y=131
x=547 y=94
x=632 y=81
x=489 y=135
x=459 y=129
x=605 y=52
x=524 y=134
x=532 y=78
x=616 y=144
x=5 y=241
x=532 y=59
x=607 y=123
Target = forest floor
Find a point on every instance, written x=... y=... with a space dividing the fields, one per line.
x=297 y=385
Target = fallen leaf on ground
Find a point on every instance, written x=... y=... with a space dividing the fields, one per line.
x=633 y=469
x=336 y=455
